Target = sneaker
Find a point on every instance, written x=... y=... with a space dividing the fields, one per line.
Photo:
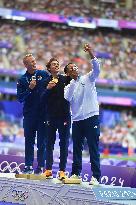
x=28 y=170
x=48 y=174
x=75 y=179
x=94 y=181
x=62 y=175
x=74 y=176
x=39 y=170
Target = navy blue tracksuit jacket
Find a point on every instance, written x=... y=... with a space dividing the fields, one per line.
x=34 y=115
x=58 y=117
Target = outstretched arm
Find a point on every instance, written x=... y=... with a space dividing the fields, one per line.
x=96 y=70
x=95 y=62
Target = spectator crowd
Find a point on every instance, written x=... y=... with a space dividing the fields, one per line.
x=118 y=133
x=95 y=9
x=66 y=44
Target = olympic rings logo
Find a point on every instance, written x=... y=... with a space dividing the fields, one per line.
x=20 y=195
x=11 y=167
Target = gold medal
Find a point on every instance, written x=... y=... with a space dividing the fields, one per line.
x=55 y=80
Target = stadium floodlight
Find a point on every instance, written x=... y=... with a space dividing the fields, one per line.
x=19 y=18
x=82 y=25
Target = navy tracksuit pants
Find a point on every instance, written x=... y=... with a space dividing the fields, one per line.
x=89 y=129
x=63 y=127
x=33 y=126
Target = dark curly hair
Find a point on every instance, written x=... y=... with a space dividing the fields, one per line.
x=49 y=62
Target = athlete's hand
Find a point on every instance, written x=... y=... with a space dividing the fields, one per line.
x=51 y=85
x=88 y=48
x=32 y=84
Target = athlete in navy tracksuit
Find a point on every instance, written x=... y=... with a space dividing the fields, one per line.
x=29 y=88
x=58 y=117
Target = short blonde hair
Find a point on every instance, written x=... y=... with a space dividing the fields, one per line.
x=26 y=56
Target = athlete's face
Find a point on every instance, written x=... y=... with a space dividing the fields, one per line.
x=72 y=70
x=30 y=63
x=54 y=67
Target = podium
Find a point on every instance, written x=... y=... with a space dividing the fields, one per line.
x=30 y=191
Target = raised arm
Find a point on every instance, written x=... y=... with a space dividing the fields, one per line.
x=95 y=63
x=96 y=70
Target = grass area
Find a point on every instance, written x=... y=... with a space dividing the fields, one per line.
x=125 y=158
